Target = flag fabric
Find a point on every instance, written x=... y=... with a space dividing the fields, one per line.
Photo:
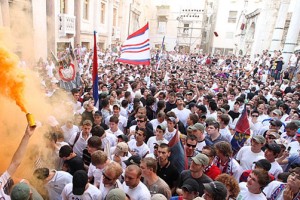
x=177 y=158
x=71 y=52
x=95 y=72
x=136 y=49
x=242 y=132
x=160 y=54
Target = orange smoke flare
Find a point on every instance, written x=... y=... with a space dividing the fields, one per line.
x=12 y=77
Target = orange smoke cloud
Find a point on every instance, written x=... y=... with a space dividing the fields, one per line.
x=12 y=77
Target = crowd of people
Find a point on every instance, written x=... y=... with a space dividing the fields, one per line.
x=121 y=145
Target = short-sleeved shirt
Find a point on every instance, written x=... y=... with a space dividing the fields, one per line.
x=168 y=173
x=3 y=180
x=91 y=193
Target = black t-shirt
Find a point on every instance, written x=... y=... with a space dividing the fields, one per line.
x=233 y=114
x=169 y=174
x=74 y=164
x=186 y=174
x=169 y=106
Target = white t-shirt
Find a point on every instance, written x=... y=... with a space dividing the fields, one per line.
x=271 y=188
x=275 y=169
x=295 y=147
x=105 y=190
x=140 y=192
x=152 y=140
x=246 y=195
x=96 y=173
x=80 y=144
x=182 y=114
x=247 y=157
x=3 y=180
x=69 y=132
x=91 y=193
x=169 y=135
x=226 y=133
x=141 y=150
x=155 y=123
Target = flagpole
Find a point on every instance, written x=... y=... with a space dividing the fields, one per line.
x=161 y=49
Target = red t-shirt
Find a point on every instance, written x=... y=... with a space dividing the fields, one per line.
x=213 y=172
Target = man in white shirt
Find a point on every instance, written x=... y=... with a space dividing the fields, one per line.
x=122 y=120
x=80 y=188
x=271 y=153
x=247 y=155
x=133 y=185
x=181 y=112
x=79 y=142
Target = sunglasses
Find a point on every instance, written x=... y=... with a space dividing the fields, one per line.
x=141 y=121
x=254 y=115
x=191 y=145
x=106 y=177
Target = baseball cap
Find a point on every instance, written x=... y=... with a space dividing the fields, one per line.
x=116 y=105
x=161 y=127
x=197 y=126
x=200 y=159
x=116 y=194
x=275 y=134
x=264 y=164
x=158 y=197
x=259 y=138
x=20 y=191
x=277 y=112
x=273 y=98
x=216 y=188
x=133 y=160
x=123 y=137
x=190 y=185
x=173 y=119
x=273 y=147
x=276 y=122
x=121 y=147
x=80 y=179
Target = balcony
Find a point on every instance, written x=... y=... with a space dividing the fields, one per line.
x=66 y=25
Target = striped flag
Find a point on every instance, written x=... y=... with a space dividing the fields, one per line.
x=242 y=132
x=95 y=71
x=136 y=49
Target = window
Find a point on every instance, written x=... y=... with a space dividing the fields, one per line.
x=63 y=9
x=115 y=17
x=186 y=28
x=86 y=9
x=232 y=16
x=102 y=15
x=229 y=35
x=162 y=24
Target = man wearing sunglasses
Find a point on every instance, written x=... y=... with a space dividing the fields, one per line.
x=190 y=148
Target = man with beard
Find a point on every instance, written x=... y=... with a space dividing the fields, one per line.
x=166 y=170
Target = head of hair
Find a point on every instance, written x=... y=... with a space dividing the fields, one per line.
x=225 y=119
x=114 y=119
x=99 y=157
x=194 y=118
x=213 y=105
x=211 y=149
x=94 y=142
x=41 y=173
x=231 y=184
x=65 y=151
x=224 y=148
x=97 y=131
x=151 y=163
x=165 y=146
x=135 y=168
x=263 y=177
x=115 y=168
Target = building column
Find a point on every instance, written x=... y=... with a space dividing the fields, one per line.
x=77 y=13
x=279 y=26
x=110 y=22
x=292 y=35
x=40 y=29
x=264 y=28
x=5 y=13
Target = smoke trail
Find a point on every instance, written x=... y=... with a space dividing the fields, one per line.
x=12 y=77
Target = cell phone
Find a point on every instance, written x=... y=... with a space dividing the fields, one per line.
x=288 y=149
